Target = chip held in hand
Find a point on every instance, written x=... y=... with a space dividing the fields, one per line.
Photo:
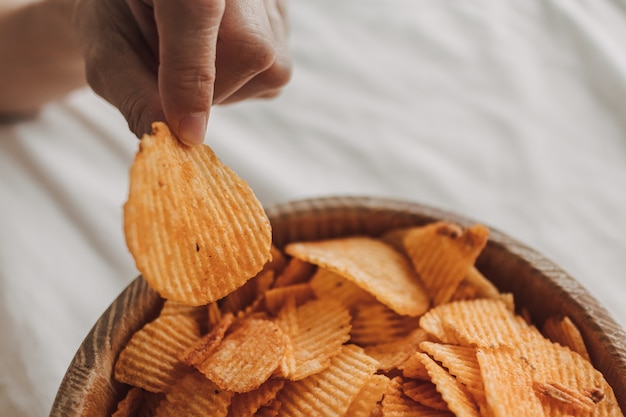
x=194 y=228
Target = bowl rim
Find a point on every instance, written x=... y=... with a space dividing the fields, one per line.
x=84 y=388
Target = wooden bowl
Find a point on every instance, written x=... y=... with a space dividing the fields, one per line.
x=540 y=286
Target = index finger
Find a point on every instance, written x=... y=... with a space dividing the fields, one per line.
x=188 y=31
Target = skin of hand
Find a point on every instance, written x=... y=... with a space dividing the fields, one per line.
x=172 y=59
x=40 y=58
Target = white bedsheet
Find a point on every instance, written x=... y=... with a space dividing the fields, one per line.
x=510 y=112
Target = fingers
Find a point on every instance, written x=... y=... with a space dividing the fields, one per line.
x=246 y=46
x=118 y=65
x=263 y=80
x=188 y=34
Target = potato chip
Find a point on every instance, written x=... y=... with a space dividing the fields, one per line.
x=442 y=253
x=372 y=265
x=296 y=271
x=203 y=348
x=368 y=397
x=393 y=354
x=246 y=295
x=194 y=228
x=562 y=330
x=322 y=327
x=375 y=323
x=456 y=322
x=246 y=357
x=414 y=368
x=475 y=285
x=330 y=392
x=195 y=396
x=248 y=403
x=270 y=410
x=150 y=358
x=425 y=393
x=567 y=373
x=396 y=404
x=461 y=362
x=130 y=405
x=453 y=393
x=275 y=298
x=508 y=383
x=329 y=285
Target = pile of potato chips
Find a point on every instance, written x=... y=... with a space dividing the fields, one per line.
x=398 y=325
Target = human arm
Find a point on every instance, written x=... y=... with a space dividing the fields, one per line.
x=40 y=58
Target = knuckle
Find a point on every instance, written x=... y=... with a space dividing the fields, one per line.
x=276 y=76
x=255 y=51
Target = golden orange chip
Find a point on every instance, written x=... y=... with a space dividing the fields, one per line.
x=199 y=313
x=562 y=330
x=414 y=368
x=369 y=396
x=329 y=285
x=395 y=353
x=195 y=396
x=330 y=392
x=508 y=383
x=202 y=349
x=150 y=359
x=248 y=403
x=456 y=322
x=475 y=285
x=321 y=327
x=442 y=253
x=375 y=323
x=270 y=410
x=296 y=271
x=372 y=265
x=567 y=373
x=461 y=362
x=150 y=403
x=130 y=405
x=244 y=296
x=247 y=357
x=425 y=393
x=275 y=297
x=194 y=228
x=453 y=392
x=396 y=404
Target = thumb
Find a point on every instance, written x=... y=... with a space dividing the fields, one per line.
x=188 y=32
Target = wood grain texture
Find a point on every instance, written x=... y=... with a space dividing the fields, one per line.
x=539 y=286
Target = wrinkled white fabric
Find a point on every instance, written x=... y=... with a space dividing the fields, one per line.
x=512 y=113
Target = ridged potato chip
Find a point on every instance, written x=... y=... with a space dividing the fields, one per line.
x=369 y=396
x=396 y=404
x=442 y=253
x=316 y=330
x=195 y=396
x=375 y=323
x=452 y=391
x=562 y=330
x=330 y=285
x=425 y=393
x=508 y=383
x=247 y=357
x=194 y=228
x=150 y=359
x=248 y=403
x=372 y=265
x=330 y=392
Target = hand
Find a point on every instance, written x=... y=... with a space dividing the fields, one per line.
x=172 y=59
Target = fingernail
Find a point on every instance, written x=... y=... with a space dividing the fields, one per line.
x=192 y=128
